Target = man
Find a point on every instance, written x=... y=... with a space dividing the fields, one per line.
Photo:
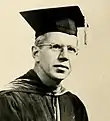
x=38 y=94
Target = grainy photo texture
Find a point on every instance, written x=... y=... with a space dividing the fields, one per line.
x=38 y=95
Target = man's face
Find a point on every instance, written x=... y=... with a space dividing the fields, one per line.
x=56 y=54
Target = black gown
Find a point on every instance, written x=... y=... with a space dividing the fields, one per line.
x=28 y=99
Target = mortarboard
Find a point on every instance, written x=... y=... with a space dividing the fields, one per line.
x=61 y=19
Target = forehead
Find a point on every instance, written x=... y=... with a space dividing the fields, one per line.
x=61 y=38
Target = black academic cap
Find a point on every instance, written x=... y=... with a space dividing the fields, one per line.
x=60 y=19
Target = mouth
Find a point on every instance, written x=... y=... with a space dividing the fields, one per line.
x=62 y=66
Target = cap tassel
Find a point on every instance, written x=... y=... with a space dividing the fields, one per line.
x=85 y=32
x=85 y=37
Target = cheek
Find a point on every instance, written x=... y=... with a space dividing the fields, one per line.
x=47 y=57
x=72 y=61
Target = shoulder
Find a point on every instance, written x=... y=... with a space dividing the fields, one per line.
x=18 y=90
x=11 y=103
x=79 y=107
x=12 y=90
x=8 y=94
x=74 y=98
x=76 y=101
x=13 y=95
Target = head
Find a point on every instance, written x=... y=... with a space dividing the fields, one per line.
x=53 y=53
x=56 y=39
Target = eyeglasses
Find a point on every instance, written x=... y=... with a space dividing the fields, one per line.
x=59 y=48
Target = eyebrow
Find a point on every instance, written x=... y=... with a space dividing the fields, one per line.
x=59 y=44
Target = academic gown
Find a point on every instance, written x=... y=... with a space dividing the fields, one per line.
x=28 y=99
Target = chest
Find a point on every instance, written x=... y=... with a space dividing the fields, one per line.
x=46 y=108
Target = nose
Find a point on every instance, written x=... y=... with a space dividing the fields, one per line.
x=63 y=56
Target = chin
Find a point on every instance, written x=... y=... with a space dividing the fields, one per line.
x=59 y=76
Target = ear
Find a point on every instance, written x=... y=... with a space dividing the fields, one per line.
x=35 y=53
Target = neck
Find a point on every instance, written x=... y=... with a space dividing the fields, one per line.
x=48 y=81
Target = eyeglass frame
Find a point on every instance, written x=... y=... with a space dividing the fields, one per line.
x=62 y=46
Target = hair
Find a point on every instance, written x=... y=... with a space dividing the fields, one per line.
x=43 y=38
x=40 y=40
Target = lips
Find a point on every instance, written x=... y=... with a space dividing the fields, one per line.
x=62 y=66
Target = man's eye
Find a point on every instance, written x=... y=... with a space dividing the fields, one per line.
x=71 y=49
x=56 y=46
